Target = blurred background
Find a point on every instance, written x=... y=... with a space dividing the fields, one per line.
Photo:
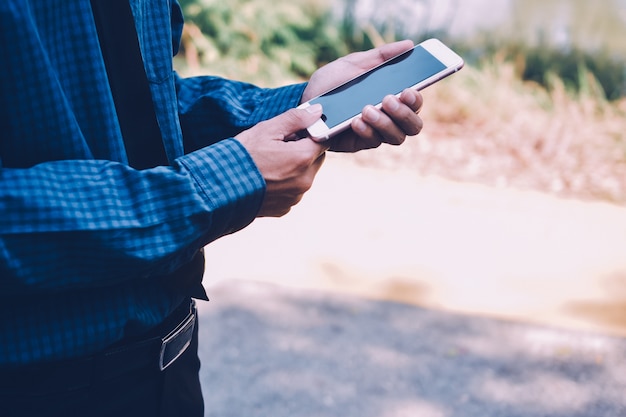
x=544 y=88
x=510 y=202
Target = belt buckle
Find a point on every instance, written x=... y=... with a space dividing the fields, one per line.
x=178 y=340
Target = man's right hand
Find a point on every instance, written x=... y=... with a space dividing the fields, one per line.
x=288 y=167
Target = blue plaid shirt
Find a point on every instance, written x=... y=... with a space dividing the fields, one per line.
x=83 y=236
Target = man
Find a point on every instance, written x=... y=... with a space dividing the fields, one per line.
x=114 y=174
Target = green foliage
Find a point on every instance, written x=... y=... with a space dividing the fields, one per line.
x=267 y=37
x=573 y=67
x=273 y=41
x=574 y=40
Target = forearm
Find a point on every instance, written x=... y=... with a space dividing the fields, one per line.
x=98 y=222
x=212 y=108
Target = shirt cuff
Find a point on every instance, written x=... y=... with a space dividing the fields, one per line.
x=275 y=101
x=230 y=183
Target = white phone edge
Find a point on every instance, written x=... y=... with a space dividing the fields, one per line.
x=320 y=132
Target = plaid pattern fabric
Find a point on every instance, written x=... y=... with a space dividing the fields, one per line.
x=83 y=235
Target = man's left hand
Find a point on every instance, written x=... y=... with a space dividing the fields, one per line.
x=398 y=117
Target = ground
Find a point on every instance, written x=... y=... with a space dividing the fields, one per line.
x=390 y=294
x=389 y=233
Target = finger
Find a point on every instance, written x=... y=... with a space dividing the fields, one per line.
x=307 y=146
x=319 y=162
x=383 y=125
x=294 y=120
x=370 y=58
x=306 y=177
x=390 y=50
x=402 y=115
x=367 y=137
x=413 y=99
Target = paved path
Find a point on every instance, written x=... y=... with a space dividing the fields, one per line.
x=509 y=300
x=390 y=234
x=271 y=351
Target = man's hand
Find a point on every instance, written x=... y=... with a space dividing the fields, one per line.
x=398 y=117
x=288 y=167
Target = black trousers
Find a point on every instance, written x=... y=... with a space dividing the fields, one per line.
x=147 y=391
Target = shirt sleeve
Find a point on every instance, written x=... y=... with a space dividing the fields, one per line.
x=73 y=224
x=213 y=108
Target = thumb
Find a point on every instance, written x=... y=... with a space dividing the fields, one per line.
x=393 y=49
x=294 y=120
x=372 y=57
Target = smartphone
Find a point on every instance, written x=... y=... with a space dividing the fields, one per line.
x=419 y=67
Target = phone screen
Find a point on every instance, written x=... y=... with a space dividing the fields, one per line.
x=409 y=68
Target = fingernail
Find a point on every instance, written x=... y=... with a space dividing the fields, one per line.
x=359 y=125
x=393 y=103
x=409 y=98
x=314 y=108
x=371 y=114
